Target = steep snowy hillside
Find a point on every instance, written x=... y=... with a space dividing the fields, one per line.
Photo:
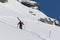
x=8 y=31
x=32 y=29
x=21 y=9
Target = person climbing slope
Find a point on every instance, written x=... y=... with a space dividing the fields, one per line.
x=20 y=23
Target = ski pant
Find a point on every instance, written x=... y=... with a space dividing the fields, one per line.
x=20 y=26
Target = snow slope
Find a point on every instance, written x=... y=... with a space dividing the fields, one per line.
x=9 y=33
x=32 y=29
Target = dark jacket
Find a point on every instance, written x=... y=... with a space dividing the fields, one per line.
x=20 y=23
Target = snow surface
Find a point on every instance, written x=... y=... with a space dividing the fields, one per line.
x=32 y=28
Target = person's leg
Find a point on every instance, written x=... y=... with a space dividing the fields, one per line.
x=20 y=27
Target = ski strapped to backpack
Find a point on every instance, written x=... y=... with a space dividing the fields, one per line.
x=18 y=18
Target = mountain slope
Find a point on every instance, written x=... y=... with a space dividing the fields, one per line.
x=32 y=29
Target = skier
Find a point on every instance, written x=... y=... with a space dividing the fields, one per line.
x=20 y=24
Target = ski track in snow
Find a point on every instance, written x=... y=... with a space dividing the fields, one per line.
x=35 y=34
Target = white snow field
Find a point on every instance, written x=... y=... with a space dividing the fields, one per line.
x=32 y=28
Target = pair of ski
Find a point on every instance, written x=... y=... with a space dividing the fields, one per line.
x=18 y=18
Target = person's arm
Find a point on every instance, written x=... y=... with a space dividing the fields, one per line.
x=22 y=23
